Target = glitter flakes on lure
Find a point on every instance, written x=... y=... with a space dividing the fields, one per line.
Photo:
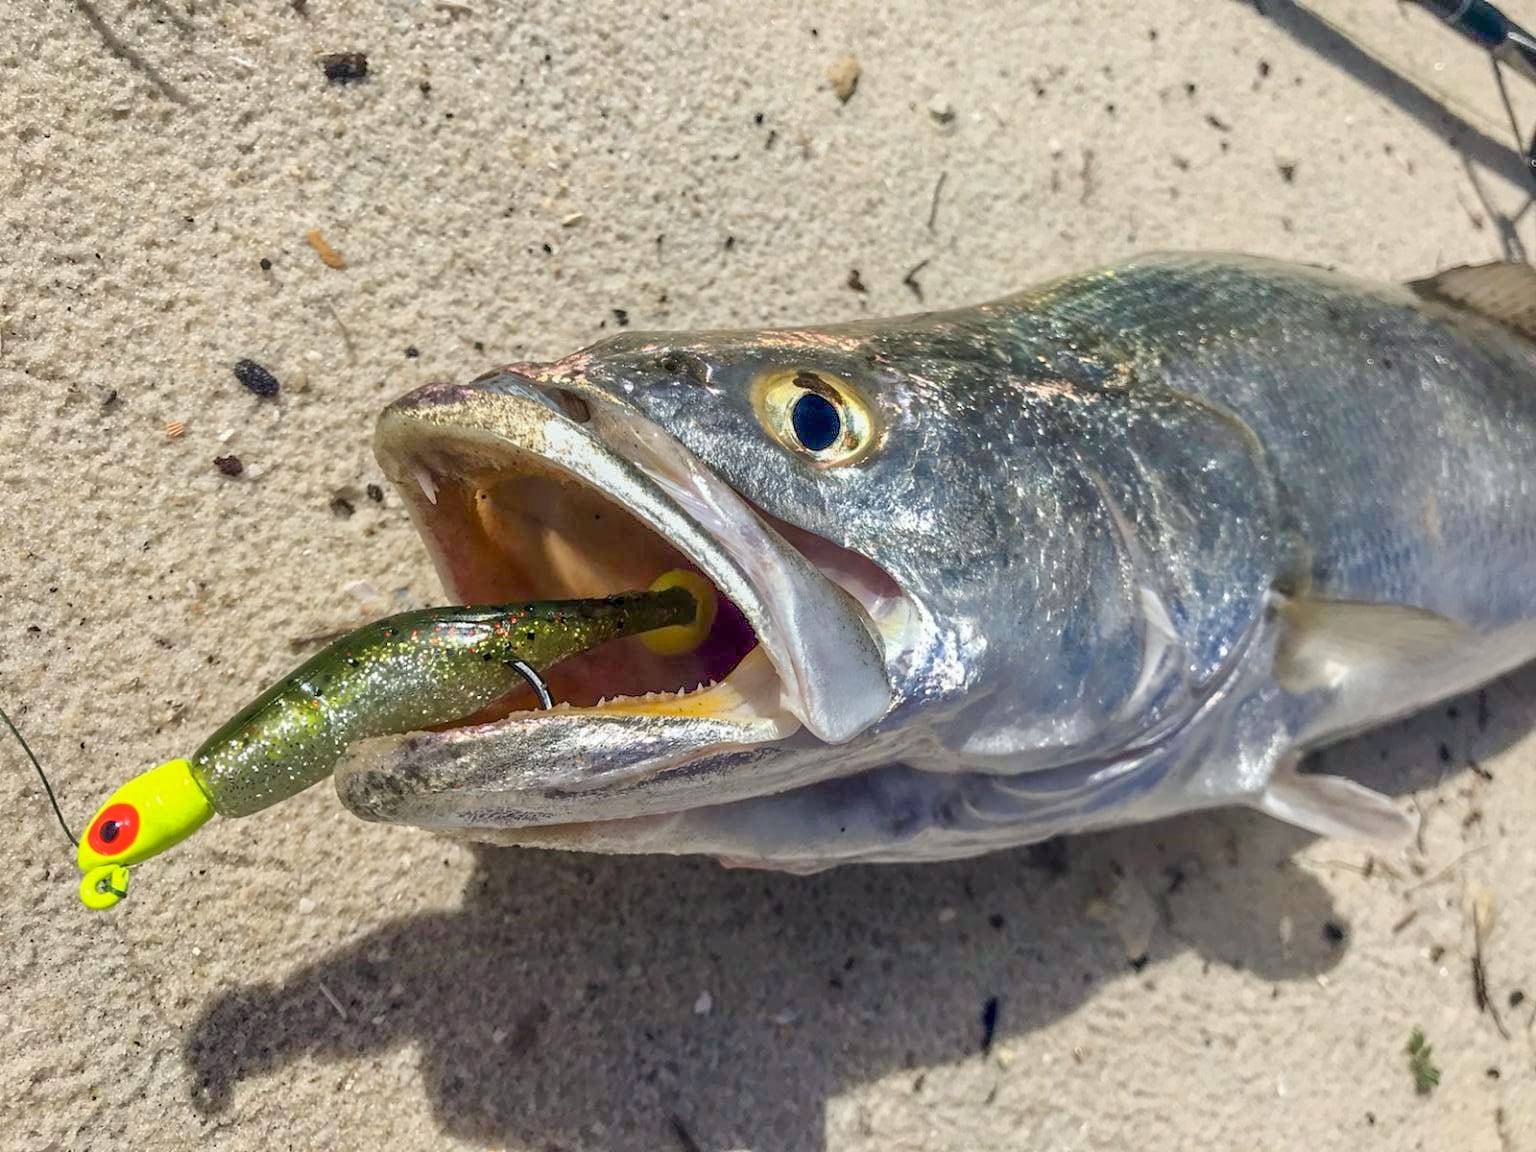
x=404 y=673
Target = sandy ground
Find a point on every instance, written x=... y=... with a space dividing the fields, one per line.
x=505 y=179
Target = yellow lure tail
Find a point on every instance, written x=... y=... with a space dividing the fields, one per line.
x=680 y=639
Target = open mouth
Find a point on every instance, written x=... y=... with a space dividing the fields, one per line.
x=523 y=530
x=520 y=500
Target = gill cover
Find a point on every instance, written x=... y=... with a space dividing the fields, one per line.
x=152 y=812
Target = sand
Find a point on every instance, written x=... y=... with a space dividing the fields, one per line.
x=504 y=181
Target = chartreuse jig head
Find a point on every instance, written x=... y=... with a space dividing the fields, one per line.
x=154 y=811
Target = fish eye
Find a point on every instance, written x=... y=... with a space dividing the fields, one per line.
x=115 y=830
x=815 y=414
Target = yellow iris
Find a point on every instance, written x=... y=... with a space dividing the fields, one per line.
x=843 y=417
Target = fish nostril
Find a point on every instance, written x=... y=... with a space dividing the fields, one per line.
x=684 y=366
x=572 y=405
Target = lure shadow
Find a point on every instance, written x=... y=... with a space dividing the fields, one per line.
x=567 y=984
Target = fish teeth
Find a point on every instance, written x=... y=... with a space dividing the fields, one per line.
x=428 y=484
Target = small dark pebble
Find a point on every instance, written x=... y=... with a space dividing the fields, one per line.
x=342 y=506
x=34 y=628
x=229 y=465
x=1288 y=173
x=479 y=345
x=996 y=920
x=256 y=378
x=1370 y=1118
x=1334 y=933
x=855 y=281
x=1217 y=122
x=621 y=317
x=1444 y=752
x=757 y=118
x=730 y=242
x=1263 y=67
x=1492 y=1073
x=344 y=67
x=300 y=6
x=548 y=251
x=1516 y=998
x=112 y=401
x=1140 y=962
x=426 y=87
x=266 y=264
x=989 y=1012
x=375 y=493
x=412 y=352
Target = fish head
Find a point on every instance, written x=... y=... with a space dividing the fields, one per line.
x=830 y=489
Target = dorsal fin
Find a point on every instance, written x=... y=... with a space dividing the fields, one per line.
x=1502 y=292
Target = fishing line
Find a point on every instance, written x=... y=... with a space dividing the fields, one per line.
x=41 y=775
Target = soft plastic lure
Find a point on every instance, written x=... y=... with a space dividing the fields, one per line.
x=398 y=674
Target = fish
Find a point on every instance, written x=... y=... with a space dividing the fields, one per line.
x=1126 y=544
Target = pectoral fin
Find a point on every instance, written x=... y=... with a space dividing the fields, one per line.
x=1337 y=808
x=1326 y=643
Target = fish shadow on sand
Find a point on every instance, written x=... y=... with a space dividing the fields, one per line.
x=563 y=994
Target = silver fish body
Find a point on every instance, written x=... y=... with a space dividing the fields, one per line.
x=1113 y=548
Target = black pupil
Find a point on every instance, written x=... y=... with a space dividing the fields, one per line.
x=816 y=420
x=109 y=831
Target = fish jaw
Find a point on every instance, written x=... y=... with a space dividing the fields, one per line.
x=522 y=490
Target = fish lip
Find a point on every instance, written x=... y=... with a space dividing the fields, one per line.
x=822 y=644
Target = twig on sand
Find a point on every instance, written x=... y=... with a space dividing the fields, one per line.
x=346 y=337
x=1447 y=870
x=933 y=205
x=910 y=279
x=331 y=996
x=1482 y=924
x=130 y=55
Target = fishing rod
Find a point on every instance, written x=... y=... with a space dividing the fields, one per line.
x=1488 y=28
